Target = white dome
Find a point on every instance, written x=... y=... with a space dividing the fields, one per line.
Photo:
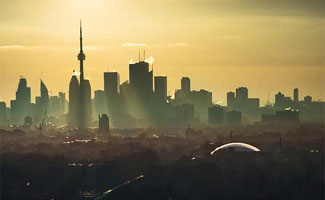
x=236 y=146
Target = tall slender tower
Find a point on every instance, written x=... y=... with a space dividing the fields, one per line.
x=81 y=58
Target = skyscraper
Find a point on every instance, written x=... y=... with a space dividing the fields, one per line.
x=112 y=89
x=3 y=113
x=161 y=89
x=141 y=85
x=141 y=79
x=231 y=100
x=241 y=95
x=295 y=95
x=186 y=84
x=20 y=107
x=86 y=119
x=99 y=98
x=74 y=102
x=44 y=100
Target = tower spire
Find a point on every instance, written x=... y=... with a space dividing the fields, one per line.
x=80 y=36
x=81 y=56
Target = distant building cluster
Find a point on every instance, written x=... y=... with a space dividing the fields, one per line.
x=142 y=101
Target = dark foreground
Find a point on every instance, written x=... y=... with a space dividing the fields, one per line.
x=143 y=168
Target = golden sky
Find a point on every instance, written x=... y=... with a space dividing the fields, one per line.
x=265 y=45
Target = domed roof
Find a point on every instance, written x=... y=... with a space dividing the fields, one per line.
x=236 y=146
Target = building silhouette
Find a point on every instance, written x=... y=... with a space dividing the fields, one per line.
x=241 y=95
x=20 y=107
x=186 y=85
x=296 y=95
x=160 y=89
x=44 y=99
x=112 y=90
x=308 y=99
x=99 y=98
x=231 y=100
x=141 y=86
x=3 y=113
x=74 y=102
x=215 y=115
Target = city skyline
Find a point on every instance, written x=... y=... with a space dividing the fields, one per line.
x=220 y=52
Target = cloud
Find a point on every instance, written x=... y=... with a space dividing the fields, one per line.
x=14 y=47
x=93 y=48
x=130 y=44
x=178 y=44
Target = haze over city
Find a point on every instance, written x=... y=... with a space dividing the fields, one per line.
x=170 y=100
x=221 y=45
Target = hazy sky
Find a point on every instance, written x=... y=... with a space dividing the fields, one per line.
x=265 y=45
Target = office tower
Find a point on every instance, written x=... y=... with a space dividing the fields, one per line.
x=308 y=99
x=161 y=89
x=87 y=104
x=279 y=99
x=125 y=90
x=201 y=100
x=3 y=113
x=103 y=123
x=112 y=89
x=215 y=115
x=20 y=107
x=44 y=99
x=295 y=95
x=241 y=95
x=186 y=84
x=233 y=117
x=141 y=81
x=231 y=100
x=99 y=98
x=74 y=102
x=111 y=83
x=62 y=102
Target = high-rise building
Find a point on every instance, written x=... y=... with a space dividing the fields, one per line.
x=141 y=79
x=3 y=113
x=62 y=102
x=99 y=98
x=44 y=99
x=112 y=90
x=87 y=103
x=279 y=99
x=74 y=102
x=201 y=100
x=241 y=95
x=186 y=84
x=231 y=100
x=20 y=107
x=160 y=89
x=141 y=85
x=308 y=99
x=295 y=95
x=215 y=115
x=111 y=83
